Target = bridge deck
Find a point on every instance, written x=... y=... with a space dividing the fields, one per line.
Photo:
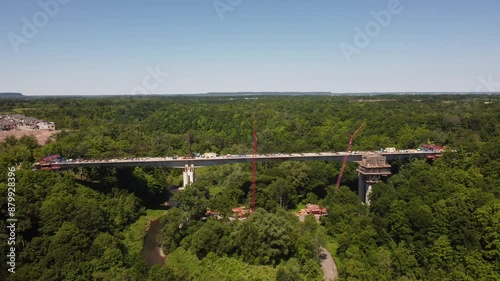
x=169 y=162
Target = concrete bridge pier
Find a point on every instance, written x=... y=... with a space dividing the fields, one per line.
x=188 y=175
x=185 y=176
x=370 y=171
x=191 y=174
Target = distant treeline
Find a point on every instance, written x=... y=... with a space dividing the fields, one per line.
x=11 y=95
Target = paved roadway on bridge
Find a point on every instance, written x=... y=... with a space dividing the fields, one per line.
x=170 y=162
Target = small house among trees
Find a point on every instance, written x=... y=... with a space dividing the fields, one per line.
x=314 y=209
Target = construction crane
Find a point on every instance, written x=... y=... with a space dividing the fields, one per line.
x=344 y=162
x=189 y=142
x=254 y=164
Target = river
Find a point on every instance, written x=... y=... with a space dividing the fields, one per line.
x=151 y=251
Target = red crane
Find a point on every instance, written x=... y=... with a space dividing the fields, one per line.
x=344 y=163
x=189 y=142
x=254 y=164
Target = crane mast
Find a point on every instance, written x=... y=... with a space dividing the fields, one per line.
x=254 y=164
x=344 y=162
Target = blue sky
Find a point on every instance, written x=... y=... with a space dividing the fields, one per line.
x=107 y=47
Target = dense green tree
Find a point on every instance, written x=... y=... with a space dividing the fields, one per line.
x=213 y=236
x=264 y=238
x=163 y=273
x=289 y=271
x=283 y=191
x=193 y=200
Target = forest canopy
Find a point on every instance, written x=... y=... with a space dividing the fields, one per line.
x=431 y=220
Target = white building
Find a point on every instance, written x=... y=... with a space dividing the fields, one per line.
x=46 y=126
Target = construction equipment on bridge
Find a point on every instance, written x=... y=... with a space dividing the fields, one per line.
x=433 y=147
x=53 y=158
x=49 y=162
x=254 y=164
x=344 y=163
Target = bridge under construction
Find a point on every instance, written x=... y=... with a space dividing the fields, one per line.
x=372 y=165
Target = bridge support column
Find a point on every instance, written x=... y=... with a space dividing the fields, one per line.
x=370 y=171
x=188 y=175
x=185 y=176
x=191 y=174
x=361 y=187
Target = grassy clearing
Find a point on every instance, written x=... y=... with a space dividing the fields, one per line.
x=299 y=207
x=332 y=246
x=134 y=234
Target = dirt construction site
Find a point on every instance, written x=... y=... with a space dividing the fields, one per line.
x=41 y=135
